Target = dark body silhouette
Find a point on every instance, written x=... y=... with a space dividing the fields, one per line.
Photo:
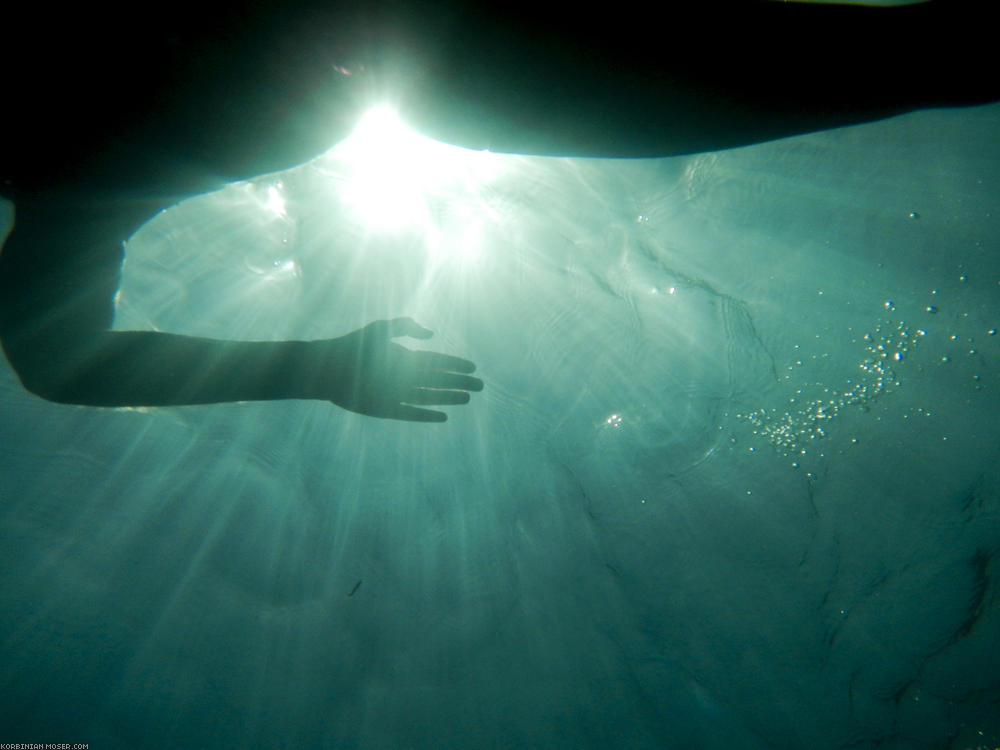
x=109 y=119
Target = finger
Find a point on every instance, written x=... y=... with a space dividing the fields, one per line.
x=413 y=414
x=435 y=397
x=407 y=327
x=448 y=380
x=437 y=361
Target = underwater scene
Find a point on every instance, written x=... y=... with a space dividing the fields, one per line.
x=732 y=481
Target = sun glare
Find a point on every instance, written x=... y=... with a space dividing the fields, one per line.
x=393 y=177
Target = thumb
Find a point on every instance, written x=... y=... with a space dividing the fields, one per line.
x=407 y=327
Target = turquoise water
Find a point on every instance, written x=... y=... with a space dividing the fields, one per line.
x=731 y=483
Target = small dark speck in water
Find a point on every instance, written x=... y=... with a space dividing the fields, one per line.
x=356 y=587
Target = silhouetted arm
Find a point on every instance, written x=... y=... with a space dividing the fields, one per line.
x=629 y=81
x=233 y=95
x=59 y=273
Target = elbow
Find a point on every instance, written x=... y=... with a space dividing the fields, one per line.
x=39 y=381
x=42 y=368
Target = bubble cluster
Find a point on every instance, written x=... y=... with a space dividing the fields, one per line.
x=795 y=430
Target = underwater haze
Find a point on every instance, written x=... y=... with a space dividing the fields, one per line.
x=732 y=483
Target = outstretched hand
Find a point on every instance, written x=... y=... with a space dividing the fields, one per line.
x=370 y=374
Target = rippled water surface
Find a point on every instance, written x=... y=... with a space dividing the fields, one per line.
x=731 y=482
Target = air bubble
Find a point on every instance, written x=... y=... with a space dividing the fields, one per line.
x=787 y=431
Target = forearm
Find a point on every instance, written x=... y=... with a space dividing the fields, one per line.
x=58 y=277
x=136 y=368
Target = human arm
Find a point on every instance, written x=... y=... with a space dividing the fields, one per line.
x=58 y=277
x=694 y=77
